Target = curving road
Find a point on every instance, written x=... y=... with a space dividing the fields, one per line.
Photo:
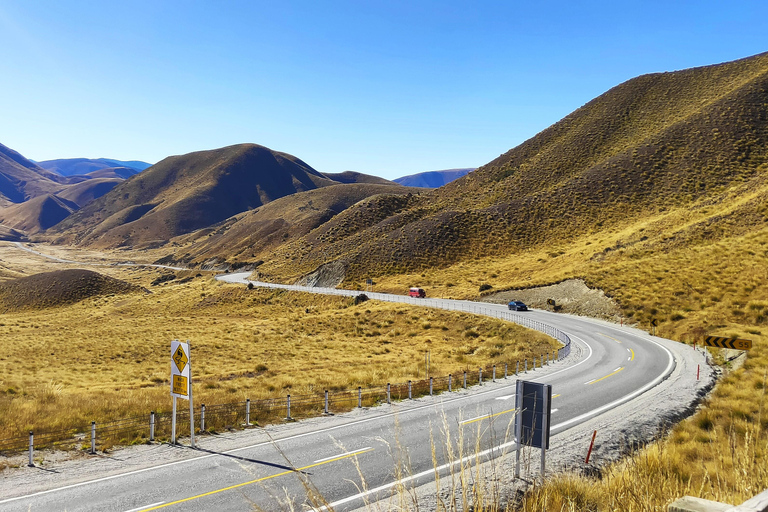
x=350 y=460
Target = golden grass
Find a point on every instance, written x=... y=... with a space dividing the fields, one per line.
x=108 y=357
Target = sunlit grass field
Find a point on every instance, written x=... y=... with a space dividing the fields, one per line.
x=108 y=357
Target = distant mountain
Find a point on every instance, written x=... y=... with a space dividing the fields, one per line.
x=433 y=179
x=21 y=179
x=80 y=166
x=113 y=172
x=357 y=177
x=184 y=193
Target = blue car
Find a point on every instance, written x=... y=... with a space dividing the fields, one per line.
x=516 y=305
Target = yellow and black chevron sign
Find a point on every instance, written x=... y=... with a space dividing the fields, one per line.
x=734 y=343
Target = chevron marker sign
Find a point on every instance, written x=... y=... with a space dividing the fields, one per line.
x=722 y=342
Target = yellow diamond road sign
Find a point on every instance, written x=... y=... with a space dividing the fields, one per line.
x=180 y=358
x=181 y=369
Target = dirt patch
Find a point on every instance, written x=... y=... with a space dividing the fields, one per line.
x=329 y=275
x=571 y=296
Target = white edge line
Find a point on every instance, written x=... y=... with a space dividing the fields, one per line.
x=145 y=507
x=235 y=450
x=431 y=471
x=347 y=454
x=553 y=411
x=578 y=419
x=590 y=382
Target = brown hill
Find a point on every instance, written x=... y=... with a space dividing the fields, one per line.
x=658 y=141
x=122 y=173
x=58 y=288
x=86 y=191
x=357 y=177
x=22 y=179
x=37 y=214
x=184 y=193
x=253 y=235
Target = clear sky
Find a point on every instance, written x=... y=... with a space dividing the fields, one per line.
x=382 y=87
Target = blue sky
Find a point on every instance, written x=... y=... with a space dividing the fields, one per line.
x=383 y=87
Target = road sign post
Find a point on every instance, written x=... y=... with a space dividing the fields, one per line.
x=532 y=419
x=181 y=385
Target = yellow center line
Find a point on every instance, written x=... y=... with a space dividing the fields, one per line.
x=297 y=470
x=481 y=418
x=614 y=339
x=633 y=355
x=555 y=396
x=601 y=378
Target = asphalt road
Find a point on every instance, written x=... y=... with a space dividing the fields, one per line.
x=360 y=460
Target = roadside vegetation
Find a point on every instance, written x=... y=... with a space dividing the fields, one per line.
x=107 y=357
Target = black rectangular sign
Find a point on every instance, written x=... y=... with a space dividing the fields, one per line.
x=529 y=403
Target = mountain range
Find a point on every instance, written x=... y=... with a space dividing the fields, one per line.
x=433 y=179
x=75 y=166
x=657 y=142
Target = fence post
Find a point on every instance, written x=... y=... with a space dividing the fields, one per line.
x=288 y=407
x=359 y=397
x=430 y=386
x=505 y=370
x=202 y=418
x=449 y=383
x=31 y=448
x=325 y=411
x=93 y=437
x=152 y=426
x=409 y=391
x=480 y=376
x=248 y=412
x=493 y=377
x=389 y=399
x=465 y=379
x=517 y=368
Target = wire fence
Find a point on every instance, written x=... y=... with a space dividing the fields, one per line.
x=156 y=426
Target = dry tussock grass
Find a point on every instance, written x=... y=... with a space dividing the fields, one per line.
x=107 y=357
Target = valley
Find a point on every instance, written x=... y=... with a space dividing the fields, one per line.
x=647 y=208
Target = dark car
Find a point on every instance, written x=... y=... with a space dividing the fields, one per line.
x=516 y=305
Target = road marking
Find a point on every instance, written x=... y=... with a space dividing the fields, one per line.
x=633 y=355
x=506 y=397
x=553 y=411
x=361 y=450
x=555 y=396
x=480 y=418
x=614 y=339
x=297 y=436
x=614 y=372
x=145 y=507
x=559 y=426
x=237 y=486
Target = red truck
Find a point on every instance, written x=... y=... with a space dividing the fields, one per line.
x=417 y=292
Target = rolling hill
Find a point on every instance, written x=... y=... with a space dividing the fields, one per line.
x=22 y=179
x=433 y=179
x=252 y=236
x=58 y=288
x=356 y=177
x=185 y=193
x=659 y=142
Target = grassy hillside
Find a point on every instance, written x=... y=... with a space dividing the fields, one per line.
x=252 y=236
x=357 y=177
x=184 y=193
x=22 y=179
x=37 y=213
x=654 y=143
